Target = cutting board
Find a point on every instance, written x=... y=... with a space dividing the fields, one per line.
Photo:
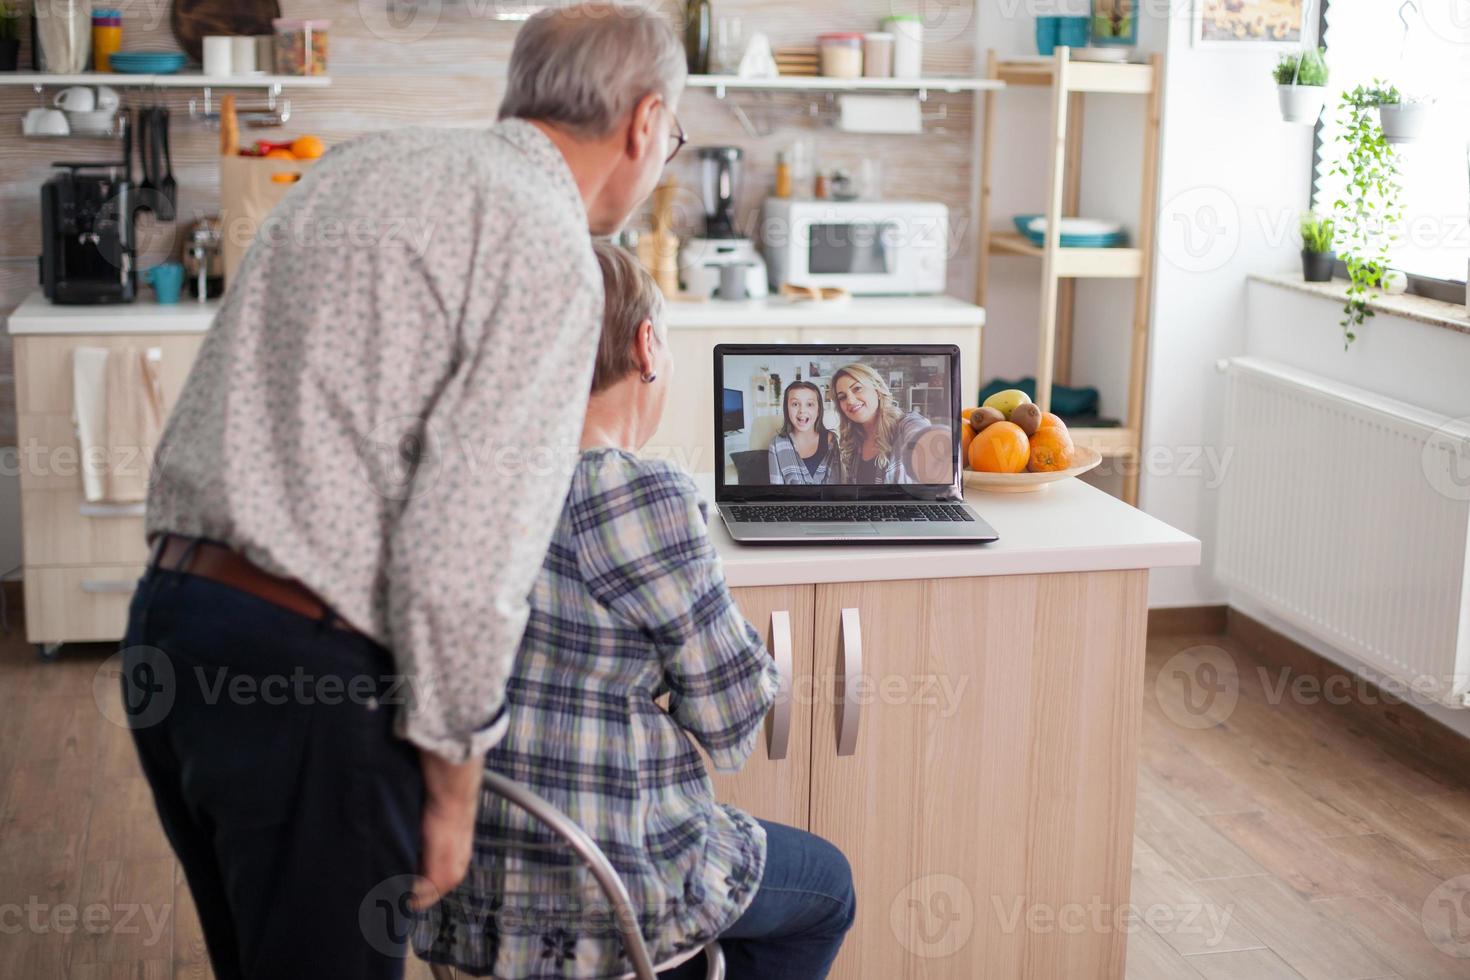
x=192 y=20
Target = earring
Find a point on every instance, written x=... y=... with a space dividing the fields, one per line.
x=648 y=379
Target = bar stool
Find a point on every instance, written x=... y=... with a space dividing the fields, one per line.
x=607 y=880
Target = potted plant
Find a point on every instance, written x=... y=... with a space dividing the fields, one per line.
x=1301 y=86
x=11 y=22
x=1368 y=209
x=1404 y=118
x=1317 y=255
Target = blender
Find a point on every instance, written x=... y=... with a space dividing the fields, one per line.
x=703 y=261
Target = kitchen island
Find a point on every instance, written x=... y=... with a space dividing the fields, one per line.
x=963 y=722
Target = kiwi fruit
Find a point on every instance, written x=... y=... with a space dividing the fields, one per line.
x=984 y=416
x=1028 y=417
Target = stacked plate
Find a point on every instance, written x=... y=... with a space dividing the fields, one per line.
x=148 y=62
x=1076 y=232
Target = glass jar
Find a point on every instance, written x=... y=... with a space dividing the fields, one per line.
x=64 y=35
x=842 y=55
x=877 y=54
x=301 y=46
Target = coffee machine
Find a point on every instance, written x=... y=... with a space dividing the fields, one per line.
x=88 y=241
x=702 y=260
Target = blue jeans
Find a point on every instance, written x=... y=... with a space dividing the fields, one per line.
x=794 y=926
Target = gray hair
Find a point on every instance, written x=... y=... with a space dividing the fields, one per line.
x=630 y=296
x=585 y=67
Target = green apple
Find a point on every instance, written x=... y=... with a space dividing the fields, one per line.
x=1005 y=402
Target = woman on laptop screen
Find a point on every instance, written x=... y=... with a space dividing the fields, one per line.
x=805 y=450
x=878 y=441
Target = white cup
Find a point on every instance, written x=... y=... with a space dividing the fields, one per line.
x=107 y=97
x=217 y=55
x=44 y=122
x=242 y=55
x=77 y=98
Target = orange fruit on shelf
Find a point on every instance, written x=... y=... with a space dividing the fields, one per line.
x=307 y=147
x=280 y=155
x=1000 y=447
x=1051 y=450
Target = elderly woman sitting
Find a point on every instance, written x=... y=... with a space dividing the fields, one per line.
x=630 y=605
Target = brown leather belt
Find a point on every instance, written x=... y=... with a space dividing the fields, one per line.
x=228 y=567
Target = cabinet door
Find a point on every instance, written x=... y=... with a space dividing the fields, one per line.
x=775 y=783
x=986 y=804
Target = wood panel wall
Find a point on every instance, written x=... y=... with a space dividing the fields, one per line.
x=446 y=67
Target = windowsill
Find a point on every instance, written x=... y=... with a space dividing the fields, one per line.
x=1451 y=316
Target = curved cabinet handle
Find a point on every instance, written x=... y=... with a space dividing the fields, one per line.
x=851 y=710
x=778 y=735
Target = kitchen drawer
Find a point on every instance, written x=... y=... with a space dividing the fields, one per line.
x=59 y=528
x=43 y=368
x=80 y=604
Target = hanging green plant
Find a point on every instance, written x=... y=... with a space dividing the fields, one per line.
x=1369 y=209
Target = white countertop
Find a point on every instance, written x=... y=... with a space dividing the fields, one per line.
x=37 y=316
x=859 y=311
x=1069 y=527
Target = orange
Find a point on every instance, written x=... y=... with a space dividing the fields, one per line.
x=1050 y=420
x=280 y=155
x=1000 y=447
x=967 y=434
x=307 y=147
x=1051 y=449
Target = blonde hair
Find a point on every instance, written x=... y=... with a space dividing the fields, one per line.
x=851 y=433
x=630 y=296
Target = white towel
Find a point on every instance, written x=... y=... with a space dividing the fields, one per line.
x=118 y=407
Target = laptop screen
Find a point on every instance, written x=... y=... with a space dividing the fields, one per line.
x=837 y=421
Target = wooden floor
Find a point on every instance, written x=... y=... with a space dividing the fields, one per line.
x=1275 y=840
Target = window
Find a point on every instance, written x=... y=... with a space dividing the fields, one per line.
x=1423 y=48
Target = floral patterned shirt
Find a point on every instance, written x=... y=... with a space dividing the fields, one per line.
x=388 y=405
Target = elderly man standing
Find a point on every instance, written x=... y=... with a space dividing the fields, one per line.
x=357 y=488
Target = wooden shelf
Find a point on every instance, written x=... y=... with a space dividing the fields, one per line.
x=821 y=83
x=1081 y=76
x=1111 y=442
x=1074 y=263
x=174 y=80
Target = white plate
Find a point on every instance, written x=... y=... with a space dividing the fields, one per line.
x=1078 y=226
x=1087 y=458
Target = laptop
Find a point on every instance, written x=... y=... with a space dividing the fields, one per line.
x=840 y=442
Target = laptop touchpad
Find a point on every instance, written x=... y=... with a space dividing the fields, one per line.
x=837 y=530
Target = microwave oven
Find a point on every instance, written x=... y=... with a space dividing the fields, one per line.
x=866 y=247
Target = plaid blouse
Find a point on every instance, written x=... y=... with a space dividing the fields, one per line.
x=630 y=604
x=787 y=466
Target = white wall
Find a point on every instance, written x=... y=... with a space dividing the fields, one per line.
x=1233 y=180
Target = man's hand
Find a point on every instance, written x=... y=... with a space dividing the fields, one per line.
x=451 y=799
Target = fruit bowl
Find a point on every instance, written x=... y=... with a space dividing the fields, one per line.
x=1087 y=458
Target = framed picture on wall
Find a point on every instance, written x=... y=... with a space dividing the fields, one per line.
x=1251 y=23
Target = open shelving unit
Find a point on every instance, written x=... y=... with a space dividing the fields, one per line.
x=1070 y=81
x=37 y=80
x=821 y=83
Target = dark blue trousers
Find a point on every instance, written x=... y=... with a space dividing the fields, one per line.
x=268 y=740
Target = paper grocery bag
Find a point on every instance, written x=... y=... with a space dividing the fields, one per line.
x=248 y=189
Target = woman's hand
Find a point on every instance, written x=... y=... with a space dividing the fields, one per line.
x=451 y=800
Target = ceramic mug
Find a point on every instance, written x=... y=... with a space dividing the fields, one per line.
x=45 y=122
x=1047 y=31
x=218 y=55
x=77 y=98
x=1074 y=32
x=107 y=97
x=166 y=279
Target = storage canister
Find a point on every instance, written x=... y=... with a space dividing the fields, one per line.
x=106 y=37
x=908 y=44
x=301 y=46
x=877 y=54
x=842 y=54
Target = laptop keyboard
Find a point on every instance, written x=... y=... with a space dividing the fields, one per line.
x=853 y=514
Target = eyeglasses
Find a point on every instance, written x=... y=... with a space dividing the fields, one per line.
x=678 y=137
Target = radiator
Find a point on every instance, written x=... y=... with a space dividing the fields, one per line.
x=1346 y=514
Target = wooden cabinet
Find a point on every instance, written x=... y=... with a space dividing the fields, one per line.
x=81 y=560
x=987 y=778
